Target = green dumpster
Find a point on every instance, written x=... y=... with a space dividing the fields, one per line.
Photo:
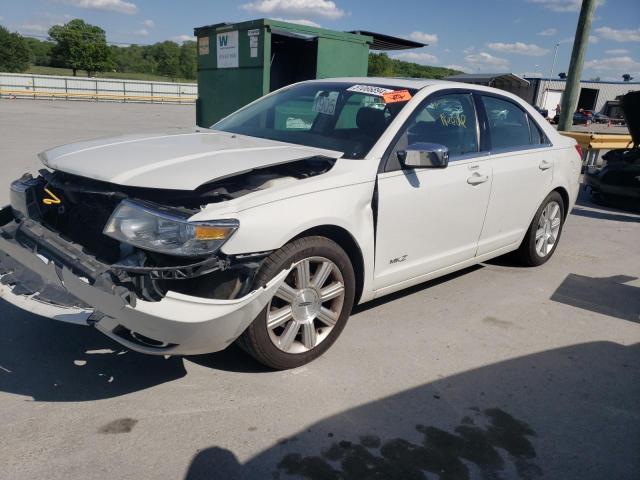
x=240 y=62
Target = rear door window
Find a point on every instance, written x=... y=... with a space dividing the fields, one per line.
x=508 y=124
x=537 y=136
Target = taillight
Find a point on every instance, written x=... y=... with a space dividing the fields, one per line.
x=579 y=150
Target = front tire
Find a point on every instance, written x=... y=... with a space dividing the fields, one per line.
x=542 y=238
x=309 y=310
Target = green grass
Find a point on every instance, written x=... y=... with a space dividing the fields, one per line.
x=38 y=70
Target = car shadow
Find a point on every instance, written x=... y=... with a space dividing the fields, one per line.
x=412 y=177
x=510 y=260
x=411 y=290
x=60 y=362
x=605 y=215
x=231 y=359
x=608 y=296
x=54 y=361
x=567 y=413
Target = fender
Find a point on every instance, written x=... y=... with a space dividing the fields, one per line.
x=270 y=226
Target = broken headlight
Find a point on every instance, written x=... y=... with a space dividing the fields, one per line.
x=169 y=231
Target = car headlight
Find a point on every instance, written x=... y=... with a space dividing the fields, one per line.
x=169 y=231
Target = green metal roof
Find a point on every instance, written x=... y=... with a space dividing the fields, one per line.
x=377 y=41
x=287 y=27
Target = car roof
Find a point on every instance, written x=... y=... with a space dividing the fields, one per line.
x=416 y=83
x=419 y=84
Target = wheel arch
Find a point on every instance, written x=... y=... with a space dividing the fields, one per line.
x=562 y=191
x=565 y=199
x=348 y=243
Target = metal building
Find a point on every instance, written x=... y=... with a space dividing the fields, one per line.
x=598 y=96
x=504 y=81
x=546 y=93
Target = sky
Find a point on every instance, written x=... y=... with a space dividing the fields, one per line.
x=516 y=36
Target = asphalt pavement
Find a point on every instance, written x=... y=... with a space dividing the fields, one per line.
x=602 y=128
x=497 y=371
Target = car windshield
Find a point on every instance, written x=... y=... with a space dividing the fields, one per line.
x=347 y=117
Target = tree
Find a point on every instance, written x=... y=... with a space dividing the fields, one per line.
x=188 y=59
x=40 y=51
x=167 y=54
x=380 y=65
x=134 y=58
x=14 y=52
x=562 y=75
x=626 y=77
x=81 y=46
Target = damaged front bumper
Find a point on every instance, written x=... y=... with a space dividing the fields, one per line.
x=64 y=283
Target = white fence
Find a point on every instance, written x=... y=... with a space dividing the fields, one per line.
x=19 y=85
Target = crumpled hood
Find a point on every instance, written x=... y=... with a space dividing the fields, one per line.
x=173 y=161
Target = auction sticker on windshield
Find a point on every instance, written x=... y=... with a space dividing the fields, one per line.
x=370 y=89
x=326 y=103
x=397 y=96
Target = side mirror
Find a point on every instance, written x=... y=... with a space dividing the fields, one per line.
x=424 y=155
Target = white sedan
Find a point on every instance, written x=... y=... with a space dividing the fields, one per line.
x=268 y=227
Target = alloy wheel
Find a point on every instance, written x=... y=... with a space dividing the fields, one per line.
x=307 y=305
x=548 y=228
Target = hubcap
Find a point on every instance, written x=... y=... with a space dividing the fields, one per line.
x=307 y=305
x=548 y=229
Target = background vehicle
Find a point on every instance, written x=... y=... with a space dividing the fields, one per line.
x=619 y=120
x=267 y=228
x=542 y=111
x=600 y=118
x=618 y=180
x=579 y=118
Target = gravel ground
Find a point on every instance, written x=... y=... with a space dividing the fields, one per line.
x=494 y=372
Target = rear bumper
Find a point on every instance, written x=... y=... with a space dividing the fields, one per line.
x=177 y=324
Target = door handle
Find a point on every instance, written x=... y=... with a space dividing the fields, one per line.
x=545 y=164
x=477 y=179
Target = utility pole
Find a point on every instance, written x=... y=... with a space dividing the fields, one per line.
x=548 y=82
x=555 y=57
x=572 y=86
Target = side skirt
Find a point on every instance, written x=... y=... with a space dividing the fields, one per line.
x=444 y=271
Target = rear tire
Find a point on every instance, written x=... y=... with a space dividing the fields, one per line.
x=543 y=235
x=306 y=324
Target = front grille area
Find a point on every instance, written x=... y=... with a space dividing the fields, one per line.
x=80 y=218
x=86 y=205
x=73 y=211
